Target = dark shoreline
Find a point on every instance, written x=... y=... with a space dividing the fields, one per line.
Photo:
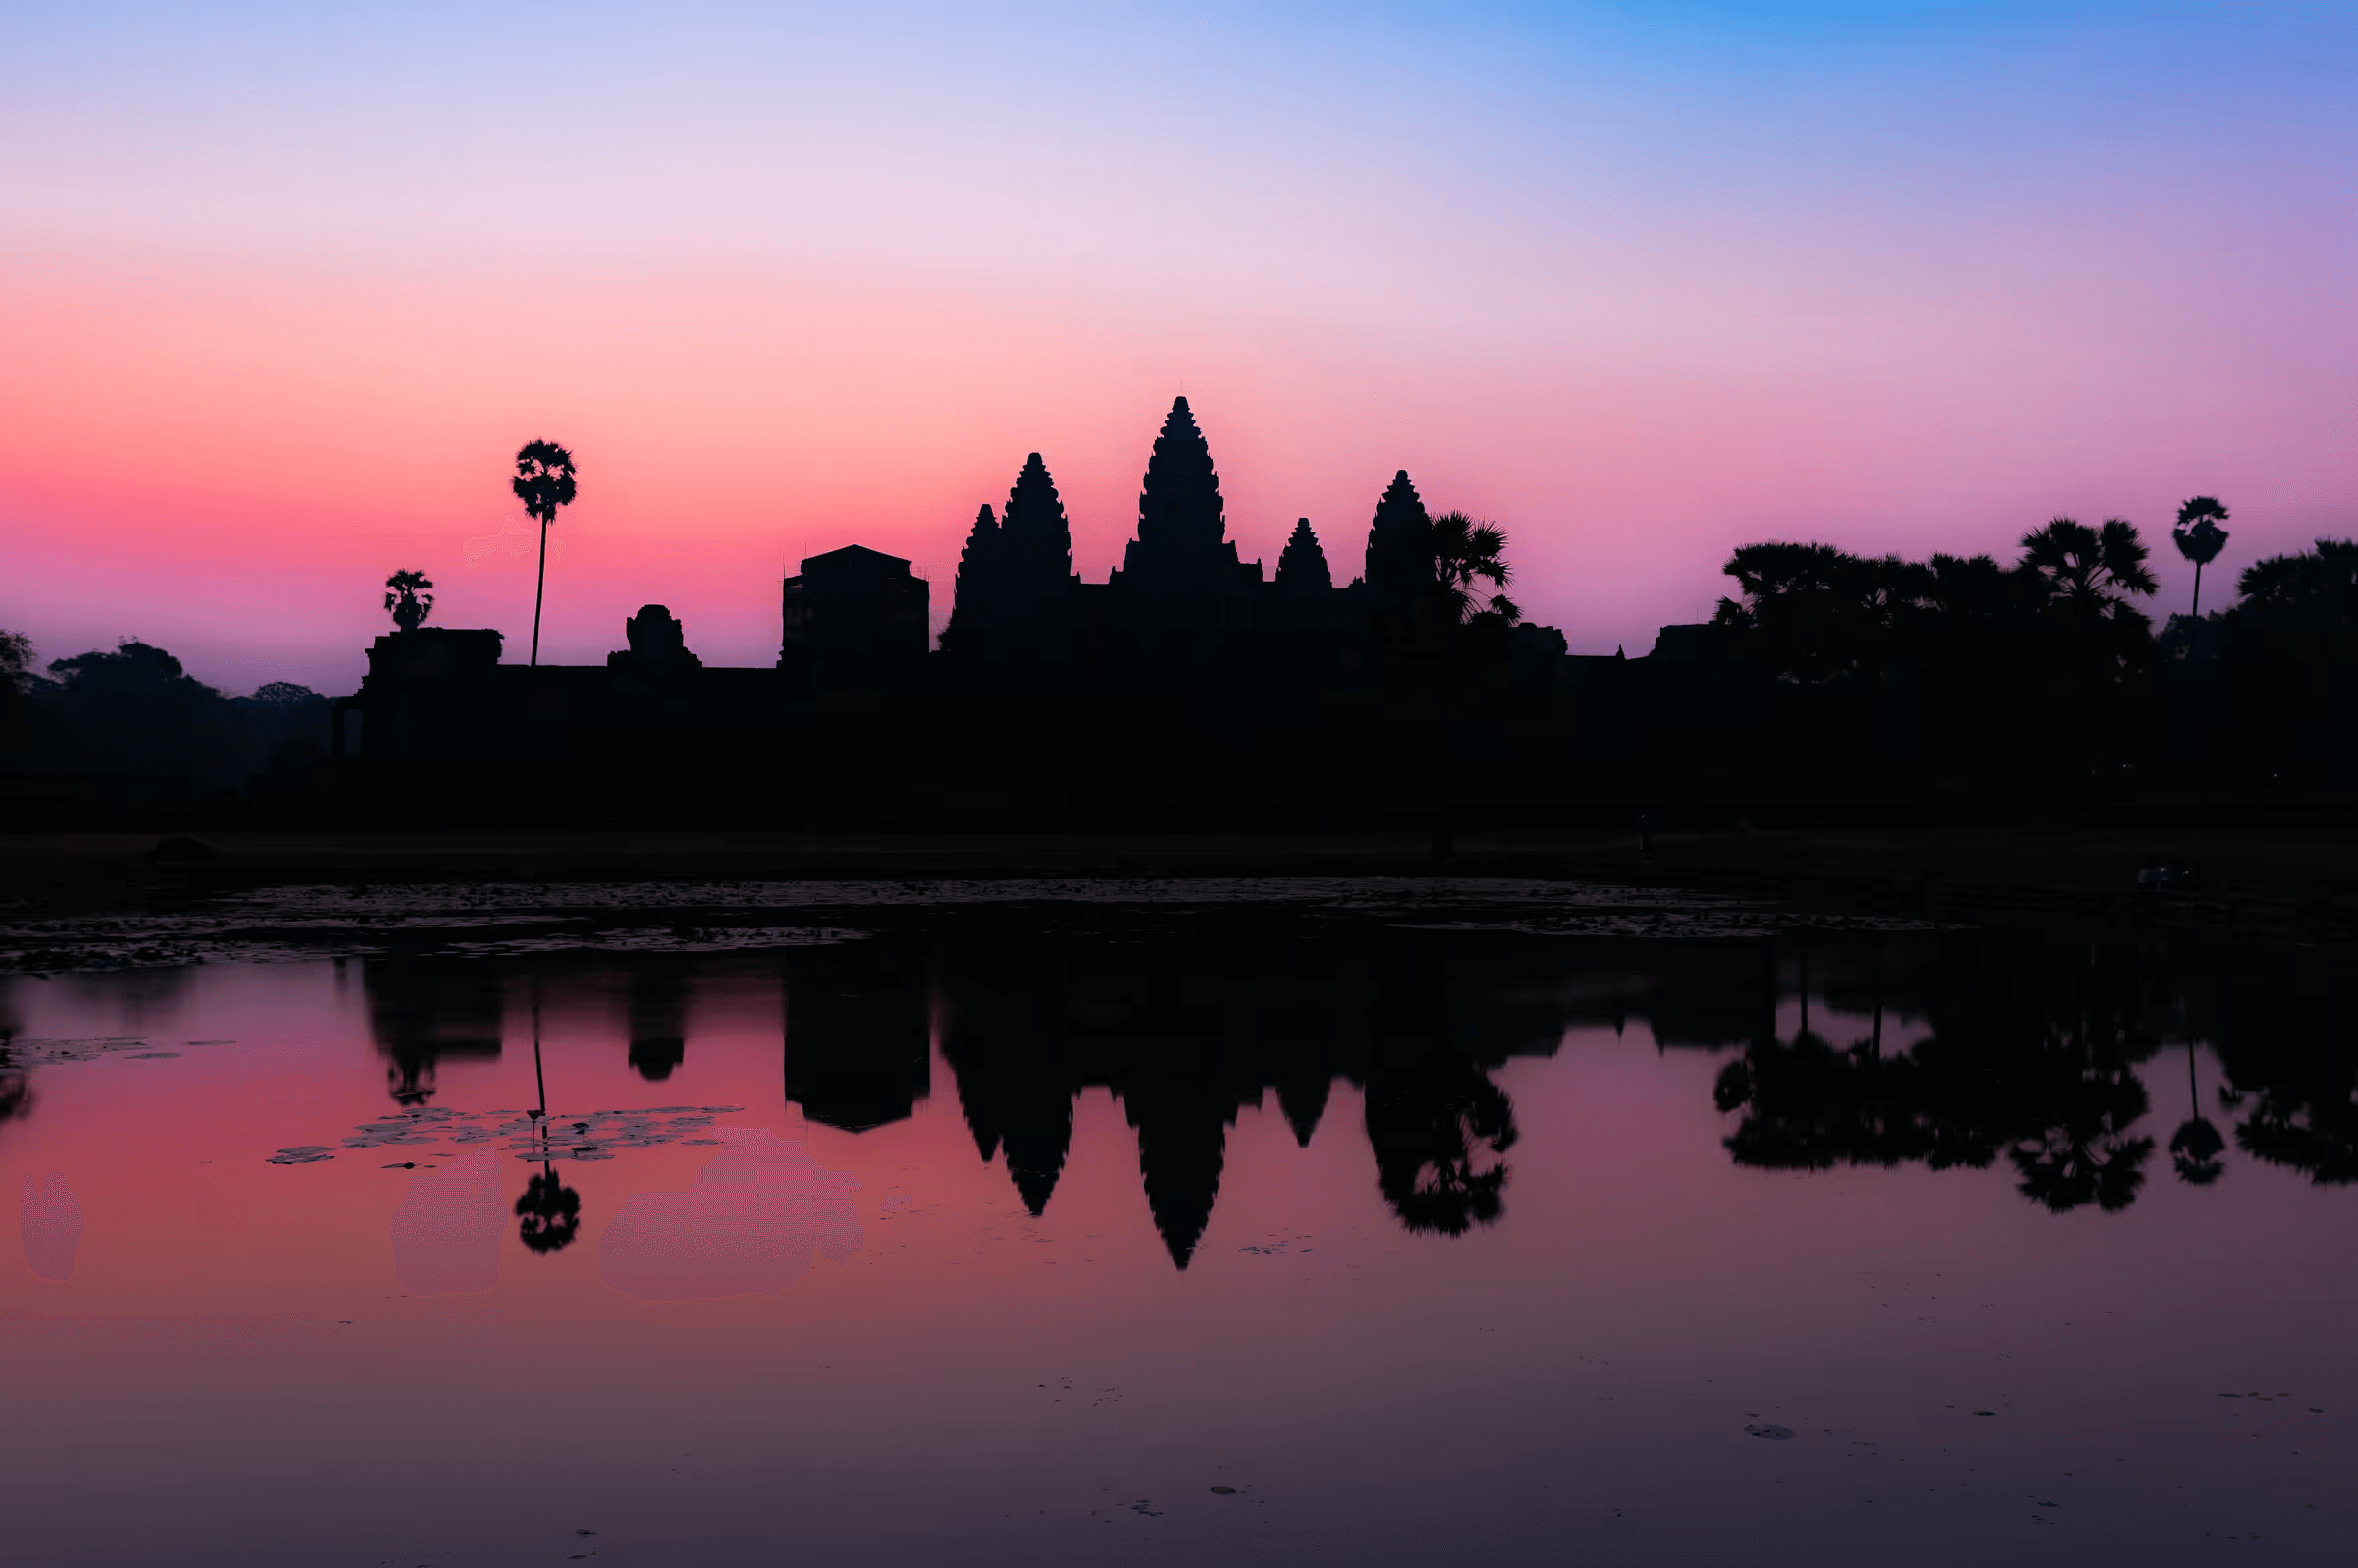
x=2255 y=883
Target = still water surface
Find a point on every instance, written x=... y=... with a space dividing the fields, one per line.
x=1245 y=1232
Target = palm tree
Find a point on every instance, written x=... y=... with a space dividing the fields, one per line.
x=2199 y=538
x=2088 y=573
x=544 y=482
x=402 y=598
x=1464 y=550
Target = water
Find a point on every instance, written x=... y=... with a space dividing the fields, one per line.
x=1278 y=1225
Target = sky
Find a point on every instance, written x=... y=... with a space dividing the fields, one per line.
x=283 y=287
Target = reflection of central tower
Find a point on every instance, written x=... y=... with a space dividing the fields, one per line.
x=858 y=1045
x=1182 y=549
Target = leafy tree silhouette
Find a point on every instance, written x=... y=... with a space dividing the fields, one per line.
x=403 y=600
x=1465 y=552
x=2199 y=538
x=2315 y=587
x=1813 y=611
x=2289 y=1056
x=2086 y=573
x=1429 y=1124
x=15 y=657
x=543 y=482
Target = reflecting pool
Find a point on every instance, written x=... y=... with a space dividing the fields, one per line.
x=1241 y=1225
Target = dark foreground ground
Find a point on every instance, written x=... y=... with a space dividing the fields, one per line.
x=2249 y=881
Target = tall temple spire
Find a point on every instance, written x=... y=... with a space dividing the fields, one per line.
x=1179 y=500
x=980 y=575
x=1182 y=546
x=1036 y=541
x=1302 y=568
x=1400 y=544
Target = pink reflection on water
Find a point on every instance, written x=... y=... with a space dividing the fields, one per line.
x=750 y=1223
x=446 y=1231
x=51 y=1226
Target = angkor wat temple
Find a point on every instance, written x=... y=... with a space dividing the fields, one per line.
x=1183 y=610
x=1191 y=687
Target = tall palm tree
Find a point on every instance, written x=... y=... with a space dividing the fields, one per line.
x=1464 y=551
x=544 y=482
x=2199 y=538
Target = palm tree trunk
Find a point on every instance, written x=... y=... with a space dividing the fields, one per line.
x=2195 y=611
x=540 y=587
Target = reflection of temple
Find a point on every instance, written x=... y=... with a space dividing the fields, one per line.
x=1187 y=1031
x=422 y=1010
x=657 y=1016
x=1948 y=1049
x=750 y=1223
x=857 y=1054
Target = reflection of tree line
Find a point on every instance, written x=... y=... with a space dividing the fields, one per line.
x=2016 y=1051
x=2030 y=1052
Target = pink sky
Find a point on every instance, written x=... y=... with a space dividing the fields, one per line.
x=275 y=318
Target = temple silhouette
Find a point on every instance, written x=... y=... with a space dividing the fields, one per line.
x=1190 y=683
x=1183 y=611
x=1356 y=683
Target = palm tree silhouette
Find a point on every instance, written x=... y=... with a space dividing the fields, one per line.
x=408 y=608
x=544 y=482
x=2088 y=573
x=1463 y=551
x=2199 y=538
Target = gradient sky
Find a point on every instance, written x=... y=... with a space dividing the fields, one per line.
x=282 y=286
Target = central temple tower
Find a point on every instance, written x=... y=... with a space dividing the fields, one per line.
x=1182 y=549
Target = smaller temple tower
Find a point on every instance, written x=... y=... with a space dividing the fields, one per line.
x=854 y=606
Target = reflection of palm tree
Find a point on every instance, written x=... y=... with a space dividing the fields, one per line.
x=2195 y=1148
x=2070 y=1167
x=551 y=1213
x=551 y=1210
x=1430 y=1125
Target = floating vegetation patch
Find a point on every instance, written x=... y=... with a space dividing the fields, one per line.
x=677 y=939
x=586 y=1136
x=528 y=918
x=17 y=1054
